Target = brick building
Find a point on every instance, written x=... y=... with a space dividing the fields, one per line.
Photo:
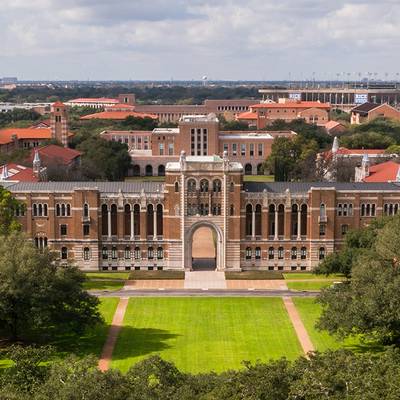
x=148 y=225
x=197 y=135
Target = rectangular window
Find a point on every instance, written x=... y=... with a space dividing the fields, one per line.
x=171 y=149
x=234 y=149
x=86 y=230
x=243 y=149
x=226 y=147
x=322 y=229
x=251 y=149
x=161 y=149
x=63 y=230
x=260 y=150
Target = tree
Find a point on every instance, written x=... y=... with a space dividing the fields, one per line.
x=8 y=205
x=368 y=304
x=367 y=140
x=37 y=295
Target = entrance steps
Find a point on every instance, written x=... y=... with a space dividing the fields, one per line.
x=204 y=280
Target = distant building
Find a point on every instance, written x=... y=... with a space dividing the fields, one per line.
x=388 y=171
x=368 y=111
x=102 y=102
x=52 y=155
x=197 y=135
x=334 y=128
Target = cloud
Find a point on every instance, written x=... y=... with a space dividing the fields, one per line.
x=156 y=39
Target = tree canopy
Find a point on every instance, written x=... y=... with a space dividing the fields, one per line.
x=8 y=205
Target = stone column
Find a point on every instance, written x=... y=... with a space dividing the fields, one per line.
x=253 y=224
x=276 y=225
x=109 y=222
x=132 y=225
x=154 y=223
x=299 y=224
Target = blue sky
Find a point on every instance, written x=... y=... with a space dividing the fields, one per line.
x=180 y=39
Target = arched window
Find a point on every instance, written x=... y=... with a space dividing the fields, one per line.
x=322 y=211
x=248 y=169
x=204 y=186
x=127 y=220
x=258 y=220
x=104 y=220
x=127 y=253
x=271 y=220
x=257 y=253
x=232 y=187
x=321 y=253
x=114 y=253
x=149 y=170
x=137 y=253
x=150 y=253
x=161 y=170
x=64 y=253
x=303 y=220
x=114 y=223
x=362 y=210
x=86 y=210
x=303 y=253
x=68 y=210
x=63 y=210
x=232 y=210
x=293 y=253
x=176 y=187
x=136 y=219
x=86 y=253
x=281 y=253
x=136 y=170
x=104 y=253
x=248 y=253
x=249 y=219
x=191 y=185
x=35 y=210
x=160 y=228
x=271 y=253
x=216 y=186
x=58 y=211
x=294 y=224
x=281 y=219
x=160 y=253
x=260 y=169
x=150 y=220
x=40 y=210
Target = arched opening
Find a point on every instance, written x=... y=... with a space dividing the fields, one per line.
x=294 y=220
x=136 y=220
x=114 y=224
x=281 y=220
x=127 y=220
x=216 y=186
x=303 y=220
x=248 y=169
x=204 y=249
x=150 y=220
x=136 y=170
x=271 y=220
x=149 y=170
x=204 y=186
x=260 y=169
x=191 y=185
x=258 y=220
x=159 y=220
x=249 y=220
x=104 y=220
x=161 y=170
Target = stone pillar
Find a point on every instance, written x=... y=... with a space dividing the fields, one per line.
x=132 y=225
x=253 y=224
x=109 y=222
x=299 y=224
x=154 y=223
x=276 y=225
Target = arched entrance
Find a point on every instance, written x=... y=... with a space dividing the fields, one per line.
x=203 y=247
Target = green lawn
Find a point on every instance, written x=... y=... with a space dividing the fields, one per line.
x=103 y=284
x=258 y=178
x=312 y=285
x=309 y=312
x=107 y=275
x=310 y=275
x=204 y=334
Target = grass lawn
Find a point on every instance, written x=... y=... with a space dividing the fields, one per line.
x=204 y=334
x=103 y=284
x=309 y=312
x=107 y=275
x=258 y=178
x=310 y=275
x=311 y=285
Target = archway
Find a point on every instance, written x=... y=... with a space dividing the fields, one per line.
x=248 y=169
x=203 y=247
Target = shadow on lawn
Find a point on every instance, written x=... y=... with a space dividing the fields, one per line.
x=135 y=342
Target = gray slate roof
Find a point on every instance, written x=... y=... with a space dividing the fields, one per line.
x=103 y=187
x=302 y=187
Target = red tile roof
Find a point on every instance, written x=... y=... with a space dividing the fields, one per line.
x=53 y=153
x=383 y=172
x=58 y=104
x=293 y=104
x=118 y=115
x=370 y=152
x=24 y=133
x=19 y=173
x=95 y=100
x=248 y=115
x=332 y=124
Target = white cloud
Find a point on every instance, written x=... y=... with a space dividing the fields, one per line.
x=224 y=38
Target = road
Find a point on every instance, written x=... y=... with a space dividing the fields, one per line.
x=202 y=293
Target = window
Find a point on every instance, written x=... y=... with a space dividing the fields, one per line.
x=161 y=149
x=86 y=253
x=217 y=186
x=191 y=185
x=150 y=253
x=260 y=150
x=62 y=210
x=234 y=149
x=63 y=230
x=64 y=253
x=345 y=228
x=368 y=210
x=86 y=230
x=243 y=149
x=226 y=147
x=170 y=149
x=322 y=229
x=41 y=242
x=303 y=253
x=127 y=253
x=86 y=210
x=293 y=253
x=257 y=253
x=114 y=253
x=160 y=253
x=176 y=187
x=251 y=151
x=232 y=187
x=232 y=210
x=137 y=253
x=248 y=253
x=271 y=253
x=321 y=253
x=281 y=253
x=339 y=210
x=204 y=185
x=104 y=253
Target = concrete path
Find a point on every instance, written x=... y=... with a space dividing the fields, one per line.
x=273 y=284
x=204 y=280
x=116 y=325
x=298 y=325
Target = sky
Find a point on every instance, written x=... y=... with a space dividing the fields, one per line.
x=189 y=39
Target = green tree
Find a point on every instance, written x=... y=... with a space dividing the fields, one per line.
x=367 y=140
x=37 y=295
x=8 y=205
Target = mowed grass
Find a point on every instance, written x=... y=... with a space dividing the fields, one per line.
x=258 y=178
x=311 y=285
x=205 y=334
x=310 y=275
x=309 y=312
x=107 y=275
x=103 y=284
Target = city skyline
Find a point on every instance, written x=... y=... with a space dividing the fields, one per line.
x=185 y=40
